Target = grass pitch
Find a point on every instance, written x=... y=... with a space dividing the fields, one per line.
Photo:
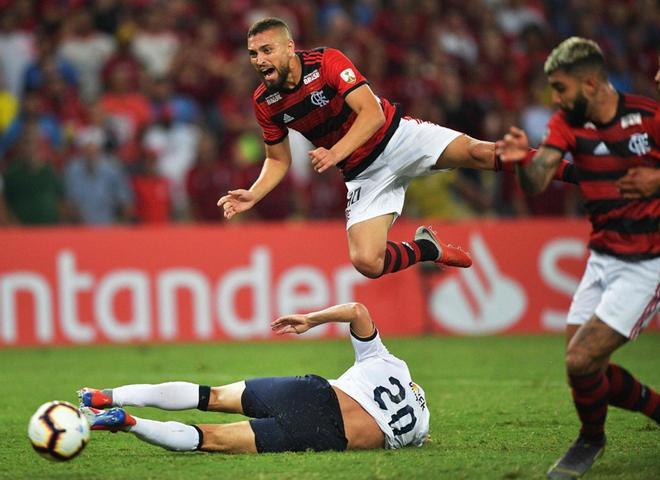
x=499 y=406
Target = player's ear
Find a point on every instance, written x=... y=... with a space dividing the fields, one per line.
x=291 y=48
x=590 y=83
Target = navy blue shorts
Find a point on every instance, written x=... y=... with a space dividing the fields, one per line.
x=293 y=414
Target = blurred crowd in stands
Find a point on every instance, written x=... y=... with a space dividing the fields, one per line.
x=139 y=111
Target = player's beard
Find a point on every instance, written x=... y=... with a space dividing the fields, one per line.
x=577 y=116
x=282 y=74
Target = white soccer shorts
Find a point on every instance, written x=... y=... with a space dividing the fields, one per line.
x=624 y=295
x=411 y=152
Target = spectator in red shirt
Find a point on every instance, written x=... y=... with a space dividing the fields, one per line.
x=127 y=110
x=122 y=59
x=151 y=191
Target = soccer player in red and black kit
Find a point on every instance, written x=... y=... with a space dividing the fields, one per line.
x=642 y=181
x=608 y=133
x=322 y=95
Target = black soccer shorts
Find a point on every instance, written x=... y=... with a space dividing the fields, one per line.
x=294 y=414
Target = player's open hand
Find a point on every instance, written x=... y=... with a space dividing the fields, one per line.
x=513 y=147
x=291 y=324
x=322 y=159
x=639 y=182
x=236 y=201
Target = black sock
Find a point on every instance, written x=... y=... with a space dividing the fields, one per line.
x=201 y=437
x=204 y=397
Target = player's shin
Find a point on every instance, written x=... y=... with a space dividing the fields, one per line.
x=630 y=394
x=590 y=395
x=167 y=396
x=401 y=255
x=174 y=436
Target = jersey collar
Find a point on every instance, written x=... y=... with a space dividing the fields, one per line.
x=619 y=112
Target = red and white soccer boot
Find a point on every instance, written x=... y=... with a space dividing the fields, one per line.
x=450 y=255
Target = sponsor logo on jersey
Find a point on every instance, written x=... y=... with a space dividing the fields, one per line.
x=310 y=77
x=639 y=144
x=275 y=97
x=348 y=76
x=287 y=118
x=631 y=119
x=418 y=396
x=601 y=149
x=318 y=98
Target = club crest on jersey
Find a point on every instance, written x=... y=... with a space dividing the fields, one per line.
x=348 y=76
x=310 y=77
x=631 y=119
x=318 y=98
x=639 y=144
x=275 y=97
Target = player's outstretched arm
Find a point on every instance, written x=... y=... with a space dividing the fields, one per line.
x=278 y=160
x=467 y=152
x=354 y=313
x=535 y=175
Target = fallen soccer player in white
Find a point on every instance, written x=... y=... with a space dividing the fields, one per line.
x=374 y=404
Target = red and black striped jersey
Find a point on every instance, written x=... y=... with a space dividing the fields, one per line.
x=316 y=107
x=629 y=229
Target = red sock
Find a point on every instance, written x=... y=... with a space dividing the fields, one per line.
x=627 y=392
x=590 y=395
x=400 y=255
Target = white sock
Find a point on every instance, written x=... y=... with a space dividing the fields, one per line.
x=175 y=436
x=168 y=396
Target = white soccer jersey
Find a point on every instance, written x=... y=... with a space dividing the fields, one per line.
x=381 y=383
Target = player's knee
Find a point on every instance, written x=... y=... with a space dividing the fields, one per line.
x=216 y=399
x=227 y=398
x=215 y=440
x=578 y=362
x=368 y=262
x=370 y=266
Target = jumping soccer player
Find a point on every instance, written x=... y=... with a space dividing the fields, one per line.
x=322 y=95
x=608 y=133
x=374 y=404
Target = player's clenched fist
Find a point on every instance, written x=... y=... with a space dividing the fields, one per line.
x=322 y=159
x=236 y=201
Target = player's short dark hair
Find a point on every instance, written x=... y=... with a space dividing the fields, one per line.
x=268 y=24
x=575 y=55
